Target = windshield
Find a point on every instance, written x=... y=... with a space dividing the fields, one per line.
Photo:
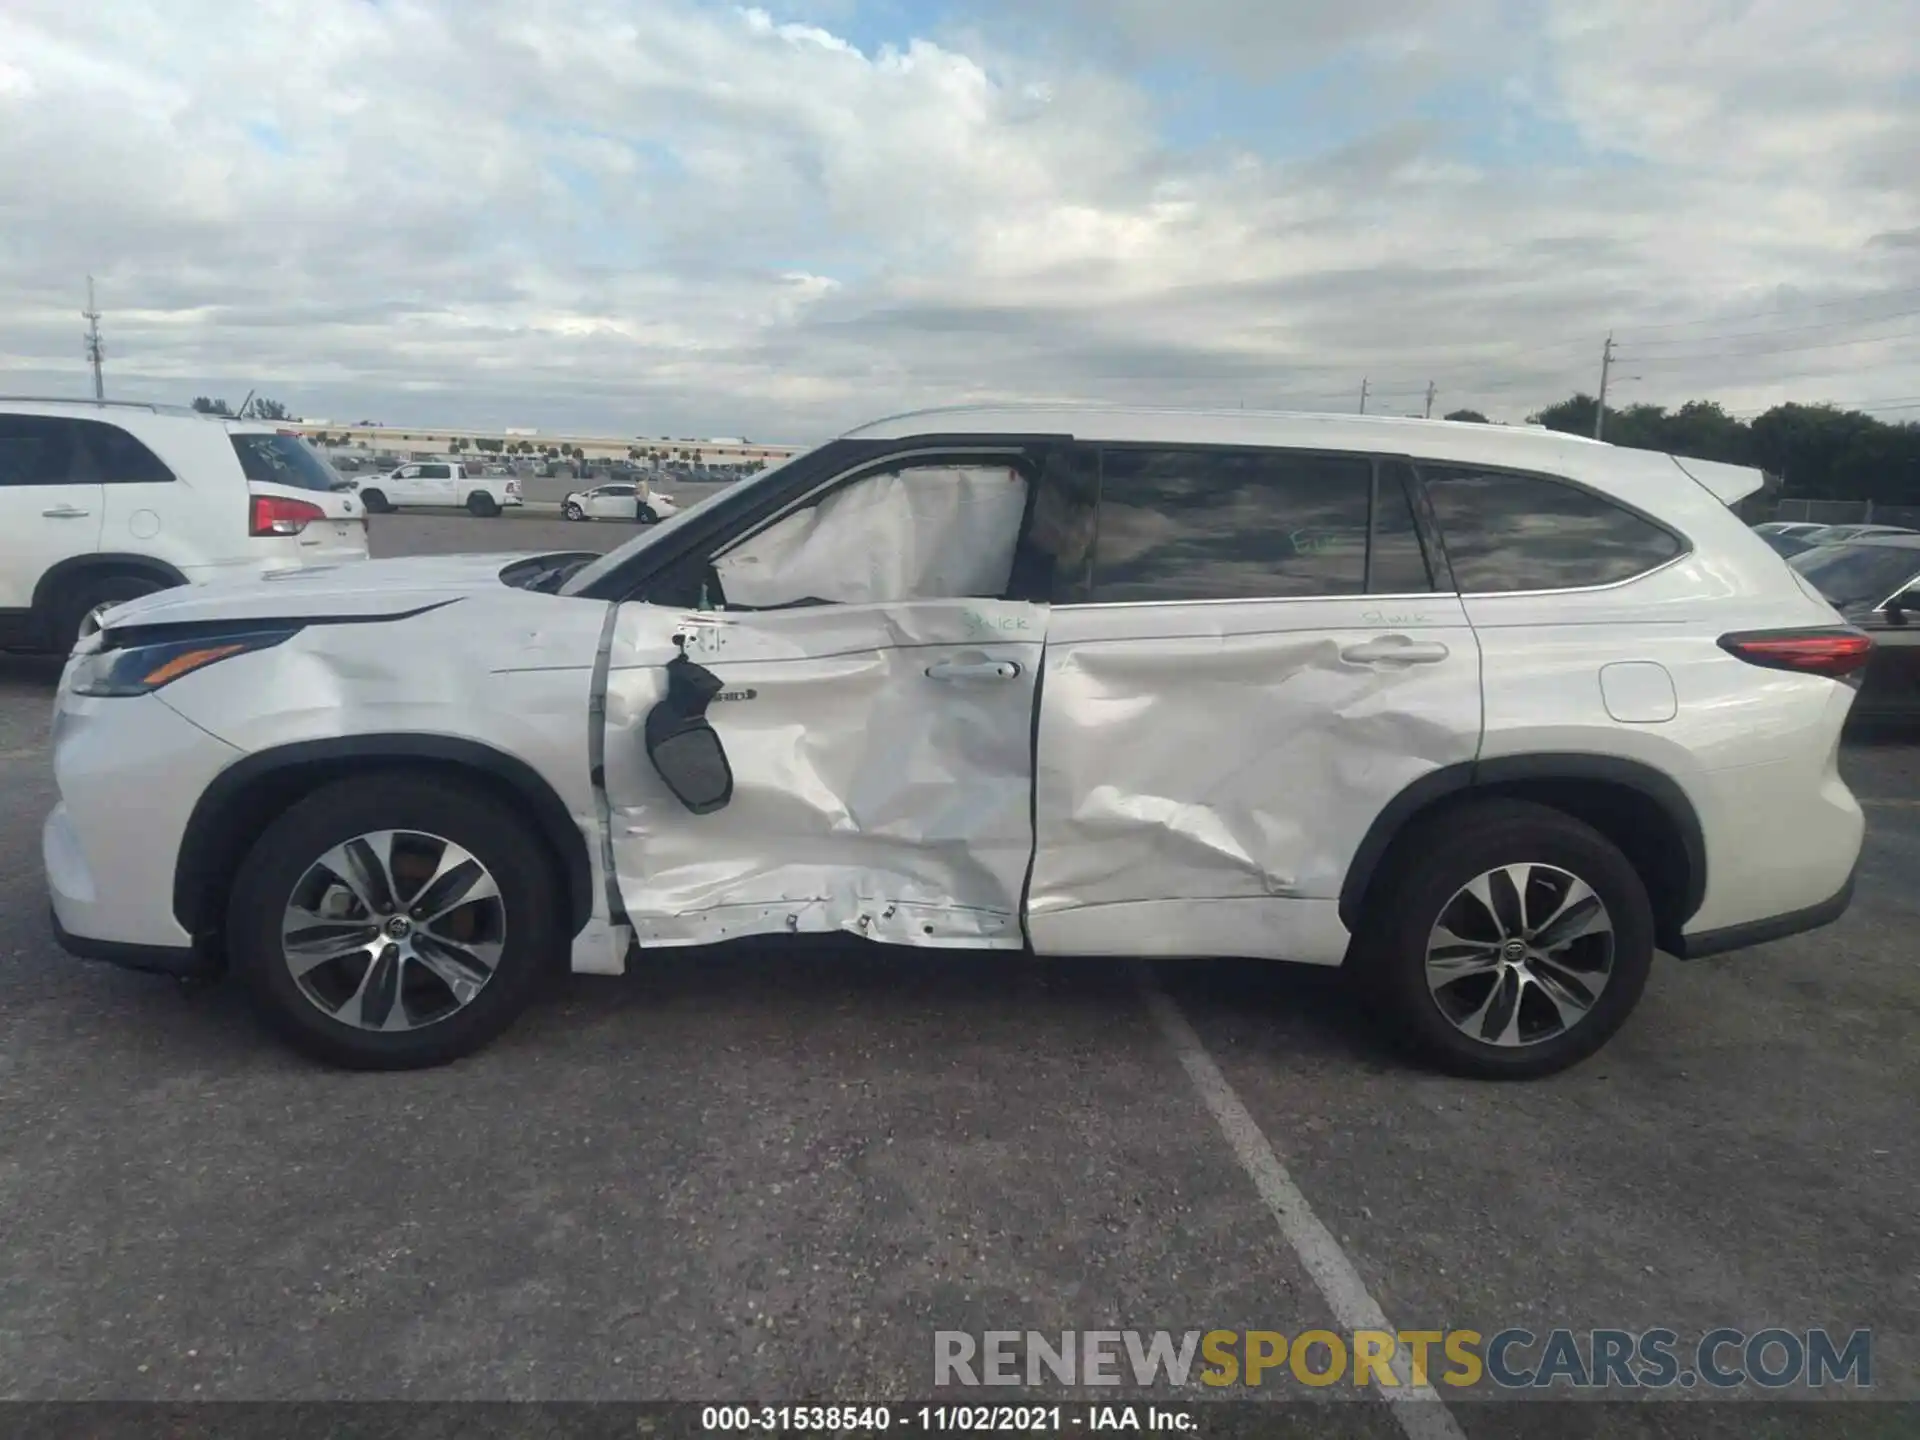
x=613 y=559
x=284 y=460
x=1852 y=576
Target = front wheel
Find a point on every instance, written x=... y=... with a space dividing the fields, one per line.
x=571 y=511
x=87 y=599
x=1505 y=940
x=393 y=923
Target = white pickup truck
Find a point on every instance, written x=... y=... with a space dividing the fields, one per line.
x=440 y=484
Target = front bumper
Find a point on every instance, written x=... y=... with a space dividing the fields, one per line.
x=128 y=772
x=1773 y=927
x=181 y=962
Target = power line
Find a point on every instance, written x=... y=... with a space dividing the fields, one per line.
x=1777 y=350
x=1783 y=330
x=1787 y=310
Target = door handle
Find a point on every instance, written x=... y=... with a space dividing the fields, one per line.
x=1395 y=650
x=64 y=512
x=973 y=670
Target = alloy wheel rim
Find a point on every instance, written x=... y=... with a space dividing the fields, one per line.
x=393 y=930
x=1520 y=955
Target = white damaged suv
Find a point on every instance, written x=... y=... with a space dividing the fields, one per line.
x=1486 y=716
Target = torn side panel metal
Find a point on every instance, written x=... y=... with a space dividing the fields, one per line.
x=1234 y=754
x=881 y=760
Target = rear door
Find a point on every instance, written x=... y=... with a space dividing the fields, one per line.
x=872 y=688
x=1265 y=653
x=50 y=506
x=437 y=485
x=612 y=502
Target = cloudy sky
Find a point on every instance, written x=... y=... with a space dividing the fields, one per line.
x=666 y=216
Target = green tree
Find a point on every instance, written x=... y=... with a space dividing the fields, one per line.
x=208 y=406
x=264 y=409
x=1473 y=417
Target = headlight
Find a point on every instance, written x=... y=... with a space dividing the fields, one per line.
x=141 y=669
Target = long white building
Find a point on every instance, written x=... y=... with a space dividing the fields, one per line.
x=430 y=440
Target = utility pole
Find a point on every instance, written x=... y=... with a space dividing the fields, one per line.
x=1429 y=399
x=1606 y=369
x=94 y=353
x=1363 y=396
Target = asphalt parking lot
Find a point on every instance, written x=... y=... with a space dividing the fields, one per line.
x=731 y=1176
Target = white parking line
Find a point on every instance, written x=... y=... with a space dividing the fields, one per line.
x=1421 y=1412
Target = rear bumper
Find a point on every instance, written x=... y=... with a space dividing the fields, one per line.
x=1773 y=927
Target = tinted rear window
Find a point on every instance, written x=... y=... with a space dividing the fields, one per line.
x=283 y=460
x=118 y=458
x=1855 y=576
x=1525 y=532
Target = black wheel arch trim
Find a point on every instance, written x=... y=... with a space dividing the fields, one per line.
x=1466 y=776
x=109 y=561
x=219 y=806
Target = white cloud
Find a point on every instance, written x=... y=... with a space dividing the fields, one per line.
x=694 y=217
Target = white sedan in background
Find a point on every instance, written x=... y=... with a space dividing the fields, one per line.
x=618 y=501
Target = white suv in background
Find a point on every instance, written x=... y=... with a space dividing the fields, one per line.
x=1486 y=716
x=102 y=502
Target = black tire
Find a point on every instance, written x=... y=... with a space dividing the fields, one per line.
x=533 y=945
x=571 y=511
x=375 y=501
x=646 y=514
x=81 y=596
x=482 y=505
x=1427 y=868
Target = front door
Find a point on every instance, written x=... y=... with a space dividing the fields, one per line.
x=1266 y=660
x=50 y=507
x=872 y=688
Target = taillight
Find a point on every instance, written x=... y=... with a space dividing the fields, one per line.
x=271 y=515
x=1835 y=653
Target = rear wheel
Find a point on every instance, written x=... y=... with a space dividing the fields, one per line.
x=483 y=505
x=393 y=923
x=1505 y=940
x=375 y=501
x=88 y=597
x=646 y=514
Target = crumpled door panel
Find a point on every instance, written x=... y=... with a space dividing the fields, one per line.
x=1203 y=754
x=868 y=797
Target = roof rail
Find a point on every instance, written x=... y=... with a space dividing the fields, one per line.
x=156 y=407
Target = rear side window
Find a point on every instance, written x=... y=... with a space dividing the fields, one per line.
x=283 y=460
x=118 y=458
x=1506 y=533
x=35 y=450
x=1230 y=525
